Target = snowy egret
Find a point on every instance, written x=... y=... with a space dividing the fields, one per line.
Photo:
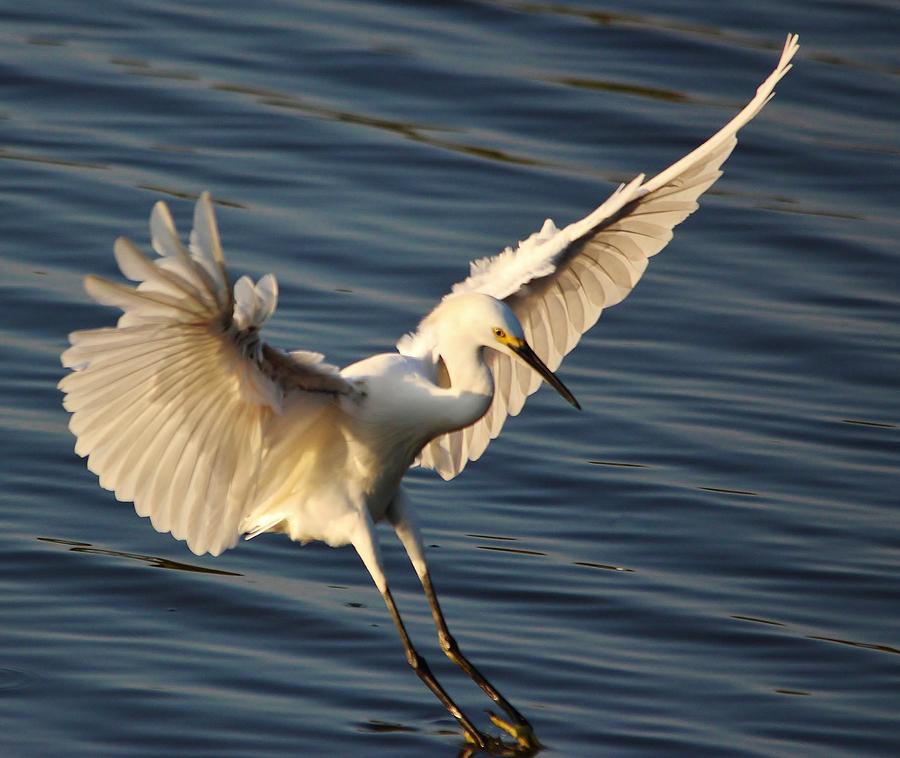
x=213 y=434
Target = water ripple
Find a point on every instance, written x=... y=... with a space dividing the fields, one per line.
x=702 y=562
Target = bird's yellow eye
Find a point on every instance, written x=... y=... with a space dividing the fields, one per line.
x=499 y=333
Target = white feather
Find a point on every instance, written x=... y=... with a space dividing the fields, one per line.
x=175 y=408
x=558 y=281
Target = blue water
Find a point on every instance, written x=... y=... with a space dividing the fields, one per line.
x=703 y=562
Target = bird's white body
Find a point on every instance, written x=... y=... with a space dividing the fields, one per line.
x=356 y=453
x=352 y=457
x=212 y=434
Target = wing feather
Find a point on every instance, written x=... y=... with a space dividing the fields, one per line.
x=559 y=281
x=174 y=407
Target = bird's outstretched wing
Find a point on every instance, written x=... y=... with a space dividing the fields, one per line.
x=172 y=405
x=558 y=281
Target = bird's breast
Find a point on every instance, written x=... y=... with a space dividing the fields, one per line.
x=400 y=401
x=387 y=425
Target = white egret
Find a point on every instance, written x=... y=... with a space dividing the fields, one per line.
x=213 y=434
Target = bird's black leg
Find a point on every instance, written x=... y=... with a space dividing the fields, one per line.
x=452 y=651
x=522 y=731
x=420 y=666
x=404 y=524
x=366 y=545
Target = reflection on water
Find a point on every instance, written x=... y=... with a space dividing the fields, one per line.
x=520 y=551
x=189 y=196
x=876 y=424
x=603 y=566
x=757 y=621
x=865 y=645
x=726 y=491
x=703 y=562
x=272 y=98
x=382 y=726
x=10 y=679
x=655 y=93
x=150 y=560
x=10 y=155
x=655 y=22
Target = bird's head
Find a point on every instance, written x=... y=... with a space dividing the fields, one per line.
x=492 y=323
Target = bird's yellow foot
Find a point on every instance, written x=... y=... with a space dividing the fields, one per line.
x=523 y=734
x=485 y=744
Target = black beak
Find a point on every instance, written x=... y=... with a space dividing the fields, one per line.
x=528 y=355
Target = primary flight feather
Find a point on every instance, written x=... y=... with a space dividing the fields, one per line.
x=213 y=434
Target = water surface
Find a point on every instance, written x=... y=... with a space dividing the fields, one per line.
x=703 y=562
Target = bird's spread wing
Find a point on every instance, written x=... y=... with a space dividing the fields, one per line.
x=172 y=405
x=558 y=281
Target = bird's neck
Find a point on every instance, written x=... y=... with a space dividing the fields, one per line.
x=471 y=381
